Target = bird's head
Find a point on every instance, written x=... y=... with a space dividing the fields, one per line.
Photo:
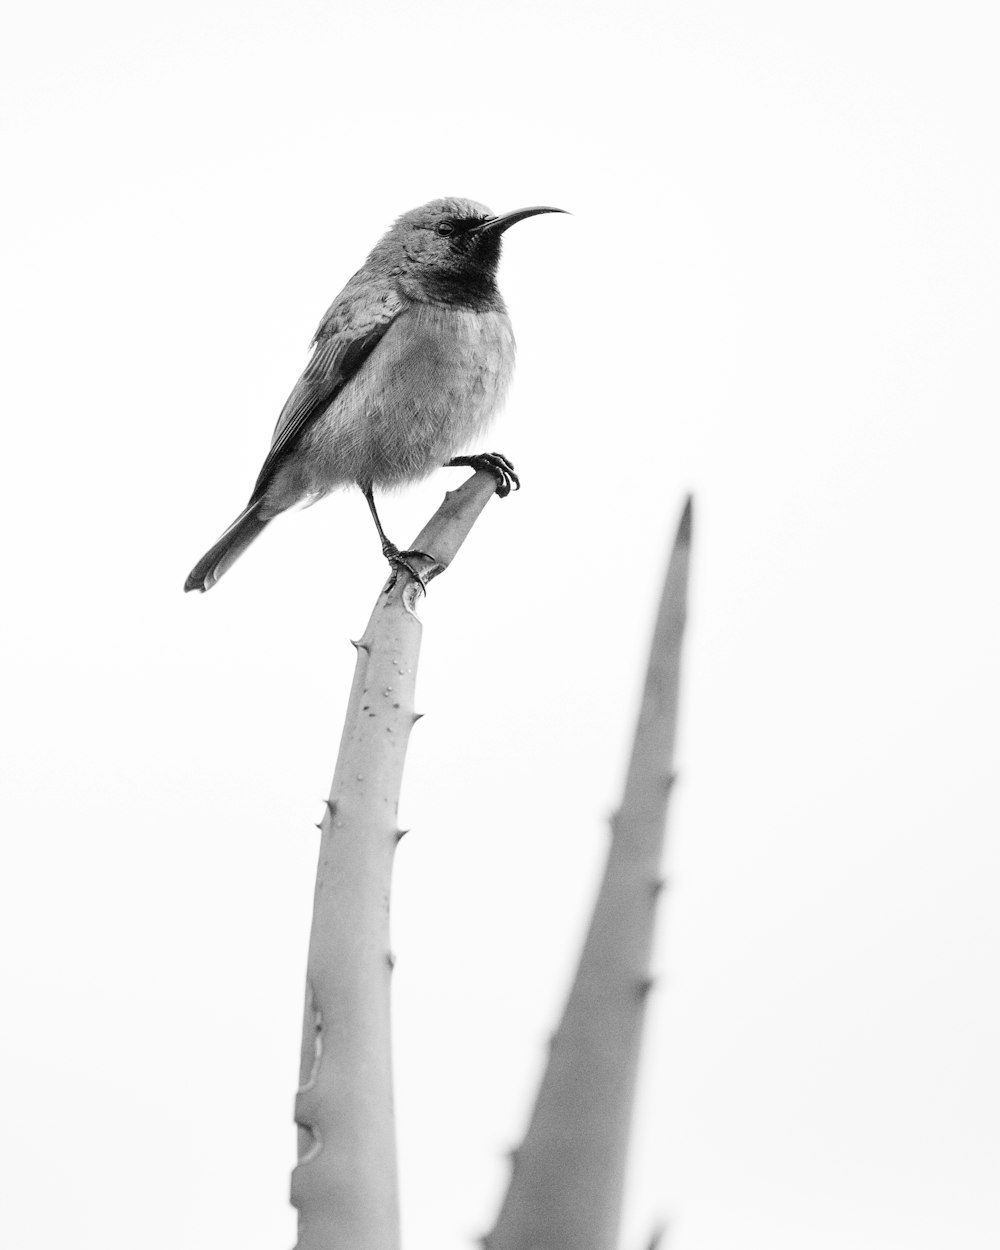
x=448 y=250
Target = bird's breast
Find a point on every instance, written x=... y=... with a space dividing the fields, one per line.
x=429 y=389
x=448 y=363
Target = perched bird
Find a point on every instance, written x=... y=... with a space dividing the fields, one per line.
x=410 y=364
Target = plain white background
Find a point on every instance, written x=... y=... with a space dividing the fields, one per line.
x=779 y=290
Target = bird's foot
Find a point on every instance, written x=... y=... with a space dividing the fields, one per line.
x=495 y=463
x=403 y=560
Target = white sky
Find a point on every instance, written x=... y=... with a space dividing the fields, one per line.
x=779 y=289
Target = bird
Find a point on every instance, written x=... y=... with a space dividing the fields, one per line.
x=409 y=365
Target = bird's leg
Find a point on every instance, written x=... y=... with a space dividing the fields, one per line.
x=495 y=463
x=398 y=559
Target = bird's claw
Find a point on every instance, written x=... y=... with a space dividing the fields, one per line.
x=497 y=464
x=402 y=560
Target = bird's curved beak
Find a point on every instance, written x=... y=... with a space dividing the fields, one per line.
x=497 y=225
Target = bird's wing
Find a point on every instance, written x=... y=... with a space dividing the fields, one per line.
x=347 y=336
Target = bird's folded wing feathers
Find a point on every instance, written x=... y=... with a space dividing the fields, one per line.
x=346 y=338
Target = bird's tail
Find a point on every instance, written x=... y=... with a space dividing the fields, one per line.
x=228 y=549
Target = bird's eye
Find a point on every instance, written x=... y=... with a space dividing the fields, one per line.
x=444 y=228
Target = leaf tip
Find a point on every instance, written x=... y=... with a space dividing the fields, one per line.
x=683 y=538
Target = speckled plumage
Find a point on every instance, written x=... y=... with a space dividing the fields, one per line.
x=410 y=364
